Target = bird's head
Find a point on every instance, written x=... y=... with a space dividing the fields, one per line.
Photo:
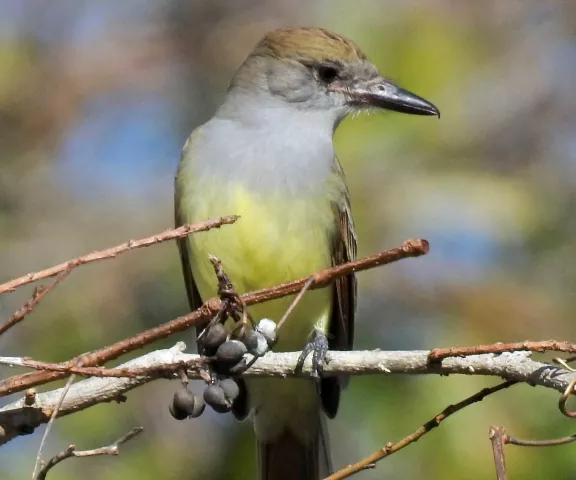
x=314 y=69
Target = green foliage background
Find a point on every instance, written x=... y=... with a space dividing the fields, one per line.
x=96 y=99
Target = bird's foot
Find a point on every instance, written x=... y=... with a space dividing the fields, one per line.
x=318 y=347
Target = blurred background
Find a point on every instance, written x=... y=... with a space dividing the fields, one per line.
x=96 y=100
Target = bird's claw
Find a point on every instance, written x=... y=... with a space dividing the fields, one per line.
x=318 y=346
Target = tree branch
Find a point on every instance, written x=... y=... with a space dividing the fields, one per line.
x=410 y=248
x=112 y=252
x=438 y=354
x=65 y=391
x=496 y=435
x=39 y=294
x=71 y=451
x=17 y=418
x=391 y=448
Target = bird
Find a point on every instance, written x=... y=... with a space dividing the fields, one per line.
x=268 y=156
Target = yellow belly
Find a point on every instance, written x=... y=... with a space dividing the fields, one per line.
x=275 y=241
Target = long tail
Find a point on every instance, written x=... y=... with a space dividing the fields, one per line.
x=287 y=458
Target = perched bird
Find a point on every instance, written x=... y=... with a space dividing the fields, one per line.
x=267 y=155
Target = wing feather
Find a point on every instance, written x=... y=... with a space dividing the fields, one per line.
x=341 y=331
x=192 y=292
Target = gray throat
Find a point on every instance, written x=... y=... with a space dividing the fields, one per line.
x=277 y=147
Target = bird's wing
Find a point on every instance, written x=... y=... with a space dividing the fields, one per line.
x=341 y=331
x=343 y=250
x=194 y=299
x=182 y=217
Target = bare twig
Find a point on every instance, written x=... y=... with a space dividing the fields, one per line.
x=564 y=362
x=75 y=369
x=564 y=398
x=392 y=448
x=232 y=303
x=71 y=451
x=39 y=294
x=295 y=302
x=65 y=390
x=225 y=286
x=114 y=251
x=439 y=354
x=553 y=442
x=497 y=438
x=411 y=248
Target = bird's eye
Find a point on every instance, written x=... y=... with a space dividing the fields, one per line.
x=327 y=74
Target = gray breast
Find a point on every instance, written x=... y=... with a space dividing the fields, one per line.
x=287 y=155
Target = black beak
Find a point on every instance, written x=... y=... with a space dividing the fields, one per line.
x=383 y=94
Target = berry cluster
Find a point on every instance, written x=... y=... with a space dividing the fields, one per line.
x=227 y=358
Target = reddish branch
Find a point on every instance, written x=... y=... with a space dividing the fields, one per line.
x=152 y=371
x=39 y=294
x=112 y=252
x=439 y=354
x=391 y=448
x=411 y=248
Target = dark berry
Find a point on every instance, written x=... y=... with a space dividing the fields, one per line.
x=176 y=412
x=231 y=351
x=230 y=388
x=199 y=406
x=214 y=337
x=214 y=396
x=183 y=400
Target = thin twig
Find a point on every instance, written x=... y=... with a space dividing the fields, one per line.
x=438 y=354
x=71 y=451
x=38 y=295
x=497 y=438
x=564 y=363
x=540 y=443
x=225 y=286
x=411 y=248
x=295 y=302
x=564 y=398
x=50 y=423
x=392 y=448
x=112 y=252
x=27 y=362
x=232 y=303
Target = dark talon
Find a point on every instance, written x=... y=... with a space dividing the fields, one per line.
x=318 y=346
